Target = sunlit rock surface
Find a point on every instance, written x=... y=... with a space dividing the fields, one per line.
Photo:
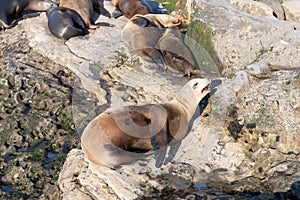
x=244 y=139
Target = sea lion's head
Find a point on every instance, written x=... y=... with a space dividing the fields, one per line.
x=192 y=93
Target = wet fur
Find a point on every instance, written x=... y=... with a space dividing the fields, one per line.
x=11 y=10
x=65 y=23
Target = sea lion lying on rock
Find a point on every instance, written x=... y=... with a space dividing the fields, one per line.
x=177 y=55
x=86 y=9
x=129 y=8
x=114 y=136
x=65 y=23
x=11 y=10
x=142 y=32
x=156 y=37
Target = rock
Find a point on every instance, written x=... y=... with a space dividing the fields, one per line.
x=253 y=7
x=276 y=6
x=292 y=10
x=39 y=39
x=244 y=138
x=241 y=136
x=235 y=39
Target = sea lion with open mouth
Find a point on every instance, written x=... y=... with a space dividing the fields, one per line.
x=118 y=136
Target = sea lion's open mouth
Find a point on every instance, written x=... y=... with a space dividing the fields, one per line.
x=206 y=89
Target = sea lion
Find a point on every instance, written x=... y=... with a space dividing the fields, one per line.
x=86 y=9
x=157 y=37
x=177 y=55
x=11 y=10
x=129 y=8
x=115 y=136
x=142 y=33
x=65 y=23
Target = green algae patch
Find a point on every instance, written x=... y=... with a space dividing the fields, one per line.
x=169 y=5
x=202 y=35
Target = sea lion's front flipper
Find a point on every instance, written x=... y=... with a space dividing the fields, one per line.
x=105 y=12
x=140 y=21
x=4 y=23
x=155 y=56
x=76 y=18
x=99 y=9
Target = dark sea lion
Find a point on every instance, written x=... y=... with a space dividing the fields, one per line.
x=115 y=136
x=142 y=33
x=86 y=9
x=65 y=23
x=11 y=10
x=177 y=55
x=129 y=8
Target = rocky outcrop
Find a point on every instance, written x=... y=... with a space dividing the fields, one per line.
x=244 y=138
x=292 y=10
x=248 y=135
x=281 y=9
x=236 y=39
x=254 y=8
x=36 y=124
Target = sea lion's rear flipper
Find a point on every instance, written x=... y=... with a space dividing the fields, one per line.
x=98 y=7
x=76 y=18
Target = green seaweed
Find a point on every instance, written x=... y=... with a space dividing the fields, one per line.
x=37 y=155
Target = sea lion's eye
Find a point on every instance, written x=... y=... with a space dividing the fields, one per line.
x=195 y=85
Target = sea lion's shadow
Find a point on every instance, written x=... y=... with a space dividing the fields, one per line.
x=160 y=156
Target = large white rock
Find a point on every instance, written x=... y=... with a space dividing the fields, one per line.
x=292 y=10
x=251 y=123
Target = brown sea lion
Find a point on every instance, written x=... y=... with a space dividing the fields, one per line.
x=11 y=10
x=115 y=136
x=86 y=9
x=157 y=37
x=177 y=55
x=65 y=23
x=129 y=8
x=142 y=33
